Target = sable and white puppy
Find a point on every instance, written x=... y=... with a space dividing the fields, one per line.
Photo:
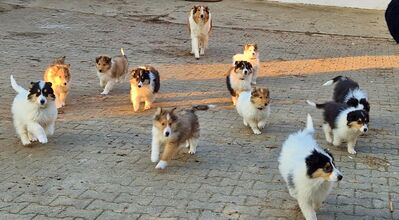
x=59 y=75
x=172 y=130
x=343 y=123
x=254 y=107
x=34 y=111
x=348 y=91
x=308 y=170
x=111 y=70
x=144 y=83
x=251 y=55
x=239 y=79
x=200 y=24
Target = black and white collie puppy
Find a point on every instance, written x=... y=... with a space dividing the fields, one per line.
x=144 y=83
x=200 y=24
x=308 y=170
x=239 y=79
x=343 y=123
x=34 y=111
x=111 y=70
x=173 y=129
x=251 y=55
x=253 y=106
x=348 y=91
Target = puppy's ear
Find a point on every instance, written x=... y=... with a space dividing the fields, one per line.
x=173 y=109
x=352 y=102
x=158 y=112
x=256 y=47
x=49 y=84
x=195 y=9
x=366 y=104
x=350 y=117
x=98 y=58
x=108 y=59
x=254 y=92
x=206 y=8
x=249 y=65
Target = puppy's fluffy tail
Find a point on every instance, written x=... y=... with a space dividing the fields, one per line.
x=309 y=124
x=333 y=80
x=15 y=86
x=123 y=52
x=315 y=105
x=202 y=107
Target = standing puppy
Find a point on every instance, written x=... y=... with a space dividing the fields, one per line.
x=111 y=70
x=251 y=55
x=34 y=111
x=144 y=83
x=254 y=107
x=348 y=91
x=308 y=170
x=200 y=24
x=343 y=123
x=59 y=75
x=239 y=79
x=174 y=129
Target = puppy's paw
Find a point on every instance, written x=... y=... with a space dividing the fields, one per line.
x=329 y=140
x=253 y=83
x=25 y=142
x=31 y=137
x=154 y=158
x=104 y=93
x=191 y=151
x=42 y=139
x=161 y=165
x=351 y=151
x=147 y=107
x=257 y=132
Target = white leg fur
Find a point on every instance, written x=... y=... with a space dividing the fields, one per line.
x=336 y=139
x=254 y=127
x=136 y=103
x=108 y=87
x=50 y=129
x=23 y=133
x=327 y=132
x=193 y=145
x=306 y=208
x=195 y=46
x=261 y=124
x=155 y=147
x=351 y=146
x=161 y=165
x=148 y=103
x=37 y=131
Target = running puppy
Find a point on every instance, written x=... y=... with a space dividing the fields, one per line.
x=200 y=24
x=59 y=75
x=144 y=83
x=111 y=70
x=348 y=91
x=239 y=79
x=254 y=107
x=251 y=55
x=174 y=129
x=34 y=111
x=308 y=170
x=343 y=123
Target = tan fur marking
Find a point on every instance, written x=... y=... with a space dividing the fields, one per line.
x=319 y=173
x=356 y=124
x=197 y=15
x=260 y=97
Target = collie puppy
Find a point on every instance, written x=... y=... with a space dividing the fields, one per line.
x=251 y=55
x=172 y=130
x=144 y=83
x=200 y=24
x=343 y=123
x=111 y=70
x=308 y=170
x=34 y=111
x=58 y=73
x=239 y=79
x=253 y=106
x=348 y=91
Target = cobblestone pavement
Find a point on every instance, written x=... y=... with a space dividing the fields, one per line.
x=97 y=165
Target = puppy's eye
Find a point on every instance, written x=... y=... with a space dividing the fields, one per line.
x=261 y=97
x=163 y=124
x=170 y=124
x=328 y=169
x=45 y=90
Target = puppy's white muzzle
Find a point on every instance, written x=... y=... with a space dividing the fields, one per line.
x=335 y=176
x=42 y=101
x=140 y=84
x=364 y=128
x=167 y=132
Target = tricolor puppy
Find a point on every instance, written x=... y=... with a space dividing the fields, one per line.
x=172 y=130
x=200 y=24
x=59 y=75
x=308 y=170
x=348 y=91
x=111 y=70
x=254 y=107
x=343 y=123
x=251 y=55
x=34 y=111
x=144 y=83
x=239 y=79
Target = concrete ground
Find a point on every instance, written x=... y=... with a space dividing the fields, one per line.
x=97 y=165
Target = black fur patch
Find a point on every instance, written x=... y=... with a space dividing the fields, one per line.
x=358 y=115
x=143 y=75
x=342 y=88
x=366 y=105
x=317 y=160
x=331 y=111
x=228 y=84
x=36 y=90
x=242 y=65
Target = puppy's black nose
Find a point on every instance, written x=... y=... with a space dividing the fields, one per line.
x=167 y=134
x=340 y=177
x=265 y=104
x=202 y=16
x=365 y=129
x=245 y=71
x=139 y=86
x=42 y=101
x=100 y=71
x=65 y=84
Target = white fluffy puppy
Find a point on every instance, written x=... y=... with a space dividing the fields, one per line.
x=308 y=170
x=254 y=107
x=251 y=54
x=200 y=24
x=34 y=111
